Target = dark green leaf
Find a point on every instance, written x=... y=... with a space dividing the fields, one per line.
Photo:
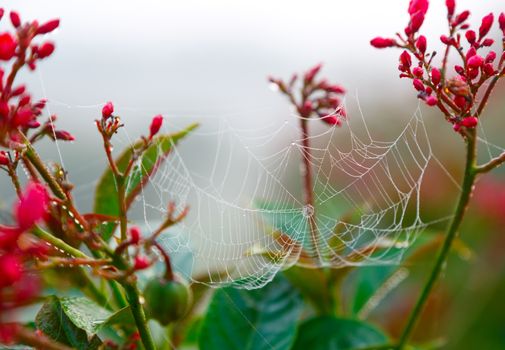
x=252 y=319
x=54 y=321
x=331 y=333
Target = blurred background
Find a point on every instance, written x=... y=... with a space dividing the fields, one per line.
x=207 y=62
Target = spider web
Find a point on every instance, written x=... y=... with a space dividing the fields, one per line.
x=247 y=217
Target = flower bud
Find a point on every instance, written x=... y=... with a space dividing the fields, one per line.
x=431 y=100
x=12 y=269
x=155 y=125
x=418 y=72
x=460 y=70
x=135 y=234
x=381 y=43
x=32 y=205
x=141 y=263
x=451 y=5
x=501 y=21
x=4 y=159
x=418 y=85
x=475 y=61
x=463 y=16
x=15 y=19
x=331 y=119
x=7 y=46
x=470 y=122
x=487 y=22
x=45 y=50
x=491 y=56
x=107 y=110
x=435 y=76
x=48 y=26
x=470 y=36
x=63 y=135
x=488 y=42
x=311 y=73
x=306 y=109
x=405 y=61
x=416 y=21
x=488 y=69
x=421 y=44
x=337 y=89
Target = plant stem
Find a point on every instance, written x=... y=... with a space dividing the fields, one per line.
x=58 y=243
x=307 y=185
x=34 y=158
x=29 y=337
x=132 y=294
x=464 y=197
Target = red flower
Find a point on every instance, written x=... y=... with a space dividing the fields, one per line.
x=48 y=27
x=63 y=135
x=451 y=6
x=15 y=19
x=45 y=50
x=7 y=46
x=155 y=125
x=421 y=44
x=135 y=234
x=32 y=206
x=4 y=159
x=475 y=61
x=418 y=6
x=486 y=24
x=12 y=269
x=141 y=263
x=435 y=76
x=381 y=43
x=470 y=122
x=107 y=110
x=501 y=21
x=311 y=73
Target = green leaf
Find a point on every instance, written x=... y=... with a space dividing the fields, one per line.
x=70 y=320
x=331 y=333
x=106 y=198
x=252 y=319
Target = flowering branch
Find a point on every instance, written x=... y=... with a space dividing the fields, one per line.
x=318 y=98
x=456 y=97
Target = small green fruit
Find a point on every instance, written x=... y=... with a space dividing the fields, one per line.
x=166 y=301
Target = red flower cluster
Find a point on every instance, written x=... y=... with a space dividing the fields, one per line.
x=18 y=249
x=456 y=97
x=317 y=97
x=18 y=113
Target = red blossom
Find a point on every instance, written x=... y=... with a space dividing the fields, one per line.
x=431 y=100
x=475 y=61
x=418 y=85
x=463 y=16
x=32 y=206
x=381 y=43
x=451 y=6
x=471 y=36
x=45 y=50
x=7 y=46
x=107 y=110
x=135 y=234
x=486 y=24
x=4 y=159
x=141 y=263
x=48 y=26
x=155 y=125
x=311 y=73
x=12 y=270
x=418 y=6
x=63 y=135
x=470 y=122
x=435 y=76
x=501 y=21
x=15 y=19
x=421 y=44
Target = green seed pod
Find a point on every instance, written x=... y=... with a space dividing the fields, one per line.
x=167 y=301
